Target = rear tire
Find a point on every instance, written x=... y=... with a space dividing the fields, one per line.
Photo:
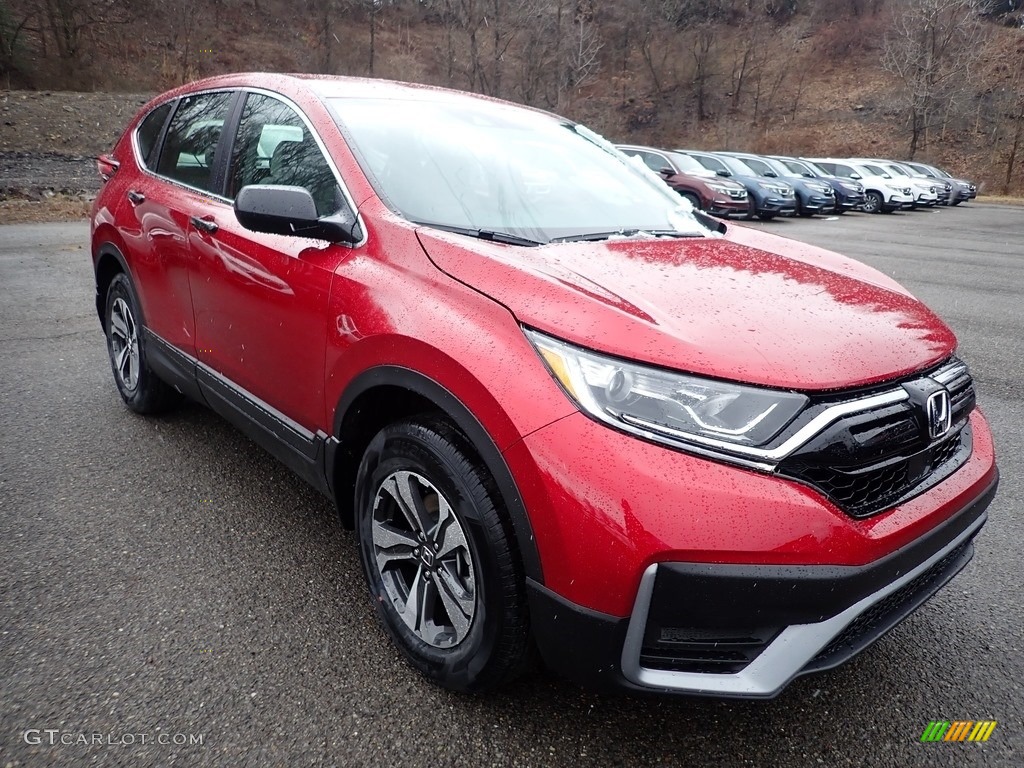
x=141 y=389
x=439 y=557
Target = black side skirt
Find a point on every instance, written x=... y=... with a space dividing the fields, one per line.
x=293 y=445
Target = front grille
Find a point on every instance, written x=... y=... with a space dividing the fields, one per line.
x=868 y=462
x=889 y=611
x=737 y=194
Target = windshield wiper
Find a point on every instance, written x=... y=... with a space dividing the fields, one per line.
x=594 y=236
x=505 y=238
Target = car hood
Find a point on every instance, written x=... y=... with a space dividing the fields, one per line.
x=746 y=306
x=712 y=179
x=746 y=180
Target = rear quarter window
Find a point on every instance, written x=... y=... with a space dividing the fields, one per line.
x=148 y=134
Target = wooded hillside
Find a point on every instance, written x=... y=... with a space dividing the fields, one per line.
x=941 y=80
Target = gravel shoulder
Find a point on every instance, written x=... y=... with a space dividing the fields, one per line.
x=48 y=140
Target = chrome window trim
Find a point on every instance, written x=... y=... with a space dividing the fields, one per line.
x=243 y=90
x=149 y=172
x=783 y=658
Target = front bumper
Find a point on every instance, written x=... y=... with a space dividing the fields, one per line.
x=721 y=205
x=783 y=206
x=748 y=630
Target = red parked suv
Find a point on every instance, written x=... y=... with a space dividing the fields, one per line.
x=559 y=410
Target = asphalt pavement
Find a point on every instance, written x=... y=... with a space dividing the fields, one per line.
x=170 y=595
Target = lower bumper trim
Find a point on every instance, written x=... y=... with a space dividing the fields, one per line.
x=801 y=648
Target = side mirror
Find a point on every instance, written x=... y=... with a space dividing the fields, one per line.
x=666 y=171
x=285 y=210
x=807 y=175
x=723 y=173
x=856 y=176
x=771 y=174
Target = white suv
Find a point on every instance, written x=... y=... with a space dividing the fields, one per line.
x=882 y=193
x=925 y=191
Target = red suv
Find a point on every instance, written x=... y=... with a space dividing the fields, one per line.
x=559 y=409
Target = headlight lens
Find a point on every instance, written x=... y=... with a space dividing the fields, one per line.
x=664 y=405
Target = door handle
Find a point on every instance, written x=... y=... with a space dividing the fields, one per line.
x=135 y=198
x=206 y=225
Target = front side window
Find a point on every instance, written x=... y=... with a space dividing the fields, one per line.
x=473 y=165
x=274 y=146
x=149 y=133
x=189 y=151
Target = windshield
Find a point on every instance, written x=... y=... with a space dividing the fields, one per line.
x=760 y=167
x=796 y=168
x=485 y=168
x=897 y=170
x=816 y=169
x=874 y=170
x=737 y=166
x=687 y=164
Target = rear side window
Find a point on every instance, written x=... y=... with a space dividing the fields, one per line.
x=149 y=133
x=188 y=154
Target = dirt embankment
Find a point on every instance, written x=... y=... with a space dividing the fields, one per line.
x=48 y=142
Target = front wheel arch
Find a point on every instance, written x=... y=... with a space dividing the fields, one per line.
x=384 y=394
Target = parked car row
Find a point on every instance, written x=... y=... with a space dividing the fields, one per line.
x=745 y=184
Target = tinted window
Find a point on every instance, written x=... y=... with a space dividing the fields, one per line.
x=149 y=132
x=188 y=152
x=274 y=146
x=875 y=170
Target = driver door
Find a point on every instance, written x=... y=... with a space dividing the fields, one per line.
x=260 y=299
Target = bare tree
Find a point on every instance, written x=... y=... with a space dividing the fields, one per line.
x=703 y=51
x=931 y=49
x=581 y=61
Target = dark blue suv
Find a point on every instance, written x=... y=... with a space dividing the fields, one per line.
x=850 y=195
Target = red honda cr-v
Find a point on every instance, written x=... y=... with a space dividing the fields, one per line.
x=557 y=409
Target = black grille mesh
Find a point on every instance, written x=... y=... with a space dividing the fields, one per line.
x=868 y=463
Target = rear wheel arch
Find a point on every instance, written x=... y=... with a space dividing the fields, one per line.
x=109 y=263
x=385 y=394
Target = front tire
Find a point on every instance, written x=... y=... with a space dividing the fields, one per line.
x=439 y=557
x=766 y=216
x=873 y=202
x=694 y=201
x=141 y=389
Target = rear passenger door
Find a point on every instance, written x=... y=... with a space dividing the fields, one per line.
x=178 y=179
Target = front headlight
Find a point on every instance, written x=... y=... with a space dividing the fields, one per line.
x=673 y=408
